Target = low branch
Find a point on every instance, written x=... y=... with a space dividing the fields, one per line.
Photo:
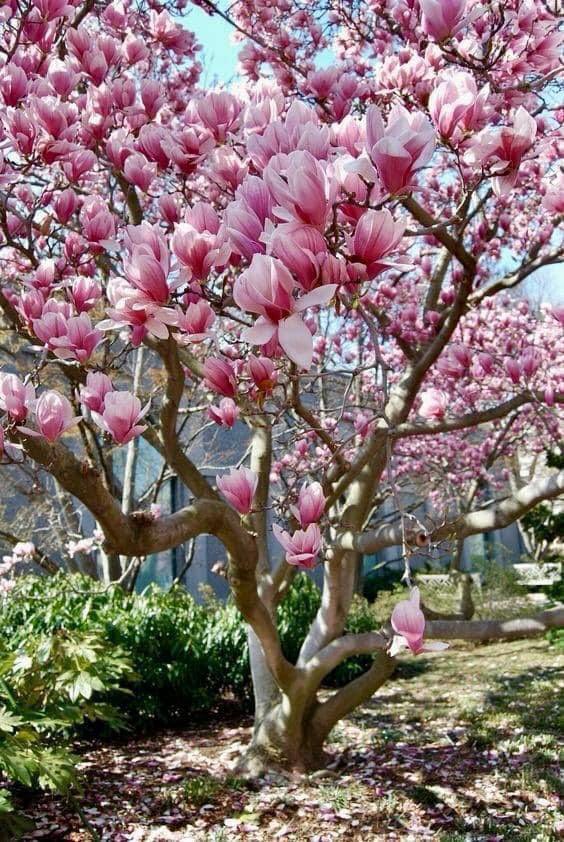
x=83 y=481
x=351 y=695
x=328 y=658
x=496 y=629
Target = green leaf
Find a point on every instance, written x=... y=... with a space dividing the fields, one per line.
x=9 y=721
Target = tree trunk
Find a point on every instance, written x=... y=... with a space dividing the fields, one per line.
x=284 y=738
x=290 y=732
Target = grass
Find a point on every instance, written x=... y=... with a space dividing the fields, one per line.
x=483 y=726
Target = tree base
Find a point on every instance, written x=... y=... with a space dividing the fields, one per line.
x=281 y=746
x=259 y=760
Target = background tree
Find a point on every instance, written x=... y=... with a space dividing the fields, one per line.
x=332 y=255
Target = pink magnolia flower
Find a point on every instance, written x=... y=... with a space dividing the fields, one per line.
x=219 y=376
x=16 y=398
x=225 y=414
x=263 y=373
x=502 y=149
x=238 y=487
x=97 y=224
x=139 y=171
x=302 y=548
x=169 y=209
x=188 y=148
x=83 y=545
x=44 y=276
x=65 y=205
x=74 y=338
x=150 y=143
x=84 y=293
x=441 y=18
x=81 y=340
x=52 y=9
x=456 y=107
x=300 y=248
x=557 y=312
x=219 y=112
x=93 y=394
x=245 y=218
x=147 y=265
x=399 y=149
x=514 y=370
x=13 y=84
x=228 y=168
x=408 y=623
x=152 y=97
x=301 y=187
x=198 y=251
x=194 y=324
x=121 y=416
x=266 y=288
x=132 y=308
x=311 y=504
x=553 y=199
x=62 y=77
x=376 y=235
x=434 y=403
x=53 y=415
x=51 y=329
x=22 y=551
x=31 y=305
x=530 y=362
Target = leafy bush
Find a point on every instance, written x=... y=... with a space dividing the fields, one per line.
x=381 y=579
x=186 y=656
x=48 y=686
x=295 y=615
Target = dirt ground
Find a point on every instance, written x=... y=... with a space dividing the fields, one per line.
x=457 y=746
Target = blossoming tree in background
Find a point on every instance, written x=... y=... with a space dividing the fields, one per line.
x=331 y=256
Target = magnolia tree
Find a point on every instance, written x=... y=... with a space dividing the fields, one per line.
x=330 y=256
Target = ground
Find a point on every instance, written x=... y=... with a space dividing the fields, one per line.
x=457 y=746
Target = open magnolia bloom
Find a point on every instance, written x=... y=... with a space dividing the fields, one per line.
x=408 y=623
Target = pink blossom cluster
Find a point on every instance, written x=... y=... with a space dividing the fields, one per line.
x=291 y=245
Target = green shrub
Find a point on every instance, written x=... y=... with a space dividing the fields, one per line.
x=362 y=618
x=556 y=638
x=381 y=578
x=186 y=656
x=296 y=613
x=48 y=686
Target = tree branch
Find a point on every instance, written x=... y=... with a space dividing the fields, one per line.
x=472 y=419
x=454 y=246
x=353 y=694
x=515 y=278
x=342 y=648
x=501 y=514
x=496 y=629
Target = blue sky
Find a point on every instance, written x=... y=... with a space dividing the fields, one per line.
x=219 y=55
